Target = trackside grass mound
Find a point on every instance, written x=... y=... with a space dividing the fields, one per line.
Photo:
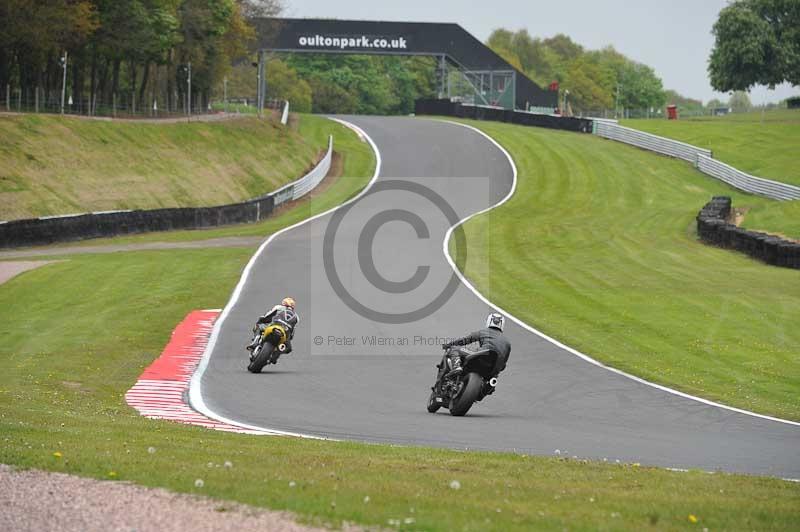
x=75 y=335
x=357 y=167
x=59 y=165
x=764 y=146
x=598 y=249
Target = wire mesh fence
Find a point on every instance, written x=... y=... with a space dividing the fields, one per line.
x=125 y=105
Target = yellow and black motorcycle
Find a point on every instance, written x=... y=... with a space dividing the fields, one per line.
x=272 y=343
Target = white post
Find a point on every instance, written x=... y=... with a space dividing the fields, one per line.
x=189 y=92
x=64 y=81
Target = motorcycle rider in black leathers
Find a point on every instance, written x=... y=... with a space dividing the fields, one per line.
x=284 y=315
x=491 y=337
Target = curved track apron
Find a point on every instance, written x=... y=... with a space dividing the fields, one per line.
x=376 y=297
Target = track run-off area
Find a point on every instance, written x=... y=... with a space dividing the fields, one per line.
x=377 y=294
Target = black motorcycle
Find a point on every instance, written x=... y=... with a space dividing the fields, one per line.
x=457 y=391
x=272 y=343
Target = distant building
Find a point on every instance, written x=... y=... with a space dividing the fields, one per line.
x=720 y=111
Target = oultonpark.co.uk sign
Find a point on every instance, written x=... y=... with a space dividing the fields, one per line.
x=347 y=42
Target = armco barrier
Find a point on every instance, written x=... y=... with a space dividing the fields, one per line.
x=52 y=229
x=444 y=107
x=700 y=158
x=647 y=141
x=747 y=182
x=313 y=178
x=713 y=228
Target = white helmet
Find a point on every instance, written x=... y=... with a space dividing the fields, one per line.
x=495 y=321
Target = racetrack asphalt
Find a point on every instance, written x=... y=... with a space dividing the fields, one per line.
x=341 y=382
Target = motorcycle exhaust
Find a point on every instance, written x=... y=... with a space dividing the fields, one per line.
x=282 y=348
x=493 y=382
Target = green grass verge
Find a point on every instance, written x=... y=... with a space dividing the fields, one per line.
x=57 y=165
x=765 y=148
x=781 y=218
x=75 y=335
x=598 y=248
x=358 y=167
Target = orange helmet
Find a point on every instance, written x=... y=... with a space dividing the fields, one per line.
x=288 y=302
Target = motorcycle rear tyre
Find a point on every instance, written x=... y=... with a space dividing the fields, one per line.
x=461 y=404
x=261 y=358
x=433 y=404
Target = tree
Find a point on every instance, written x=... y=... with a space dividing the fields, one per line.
x=564 y=47
x=756 y=42
x=365 y=84
x=331 y=98
x=283 y=83
x=588 y=86
x=740 y=102
x=260 y=8
x=640 y=87
x=714 y=103
x=510 y=57
x=591 y=77
x=500 y=38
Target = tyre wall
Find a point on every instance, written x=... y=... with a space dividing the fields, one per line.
x=713 y=228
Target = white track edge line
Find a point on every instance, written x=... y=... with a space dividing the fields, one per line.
x=555 y=342
x=196 y=400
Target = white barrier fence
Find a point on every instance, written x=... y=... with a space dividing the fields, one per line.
x=308 y=182
x=701 y=159
x=755 y=185
x=648 y=141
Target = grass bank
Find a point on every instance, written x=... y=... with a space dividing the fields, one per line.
x=764 y=146
x=358 y=166
x=75 y=335
x=598 y=248
x=58 y=165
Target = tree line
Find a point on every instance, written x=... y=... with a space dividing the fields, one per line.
x=133 y=52
x=595 y=79
x=347 y=84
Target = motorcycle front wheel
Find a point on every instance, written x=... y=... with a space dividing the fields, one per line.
x=470 y=390
x=261 y=355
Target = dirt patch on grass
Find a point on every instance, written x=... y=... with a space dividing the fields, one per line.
x=9 y=270
x=737 y=215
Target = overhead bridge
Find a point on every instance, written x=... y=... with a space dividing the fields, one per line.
x=468 y=69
